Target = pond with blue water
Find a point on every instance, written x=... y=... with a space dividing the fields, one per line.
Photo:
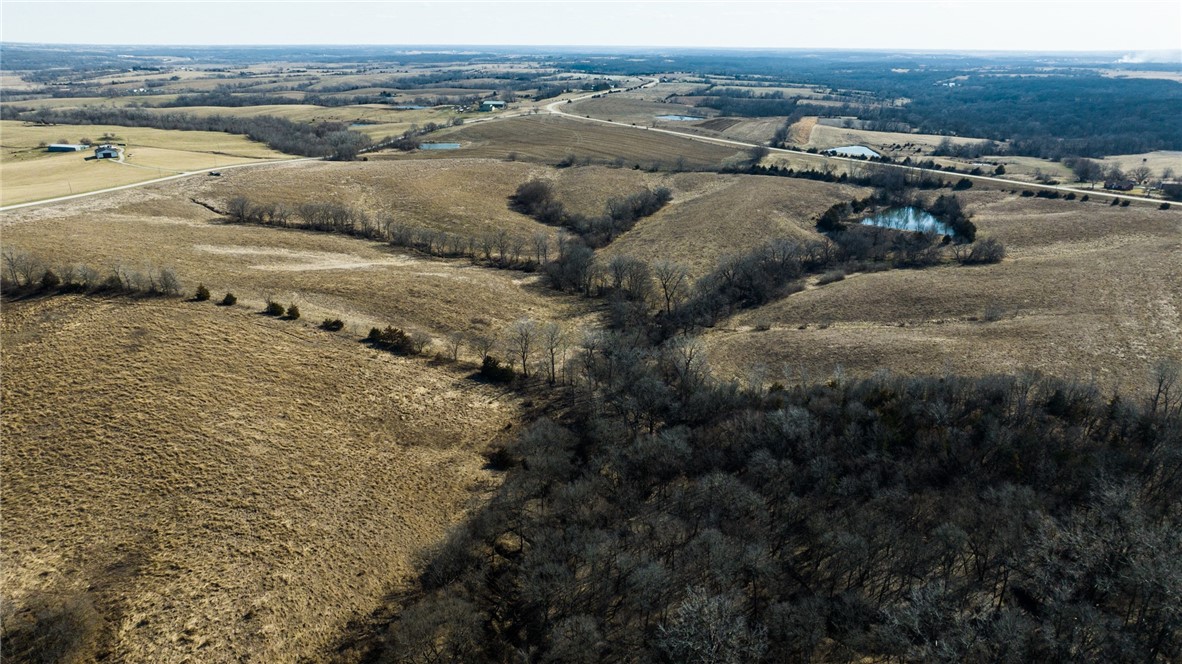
x=680 y=118
x=439 y=146
x=908 y=219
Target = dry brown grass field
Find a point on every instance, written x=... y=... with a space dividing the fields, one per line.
x=364 y=283
x=713 y=216
x=550 y=138
x=1087 y=291
x=628 y=109
x=186 y=482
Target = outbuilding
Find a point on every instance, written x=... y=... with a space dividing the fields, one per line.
x=106 y=152
x=492 y=105
x=65 y=147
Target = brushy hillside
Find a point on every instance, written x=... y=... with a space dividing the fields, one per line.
x=185 y=482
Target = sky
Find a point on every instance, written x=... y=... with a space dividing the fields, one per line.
x=1142 y=28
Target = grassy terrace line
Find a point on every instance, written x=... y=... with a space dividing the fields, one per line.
x=323 y=139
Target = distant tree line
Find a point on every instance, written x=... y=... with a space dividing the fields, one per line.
x=333 y=140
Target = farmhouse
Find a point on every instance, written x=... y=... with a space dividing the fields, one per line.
x=1120 y=185
x=64 y=147
x=492 y=105
x=106 y=152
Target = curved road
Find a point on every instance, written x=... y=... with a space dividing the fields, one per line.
x=554 y=108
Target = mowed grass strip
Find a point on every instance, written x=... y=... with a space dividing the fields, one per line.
x=187 y=482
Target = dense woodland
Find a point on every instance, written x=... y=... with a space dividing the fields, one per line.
x=670 y=517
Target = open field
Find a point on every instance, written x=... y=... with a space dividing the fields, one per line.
x=1158 y=161
x=1087 y=291
x=550 y=138
x=626 y=108
x=713 y=216
x=364 y=283
x=186 y=482
x=30 y=173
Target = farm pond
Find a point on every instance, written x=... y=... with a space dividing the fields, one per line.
x=439 y=146
x=680 y=118
x=908 y=219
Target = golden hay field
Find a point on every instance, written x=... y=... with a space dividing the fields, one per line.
x=29 y=173
x=186 y=482
x=551 y=138
x=1087 y=291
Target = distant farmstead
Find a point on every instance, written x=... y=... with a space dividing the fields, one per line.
x=106 y=152
x=1120 y=185
x=492 y=105
x=65 y=147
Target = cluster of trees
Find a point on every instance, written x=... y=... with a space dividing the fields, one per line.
x=1090 y=171
x=673 y=517
x=947 y=148
x=536 y=198
x=333 y=140
x=26 y=274
x=879 y=176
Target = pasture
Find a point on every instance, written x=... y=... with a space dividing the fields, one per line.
x=187 y=482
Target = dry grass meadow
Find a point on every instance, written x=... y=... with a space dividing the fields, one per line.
x=363 y=283
x=551 y=138
x=186 y=482
x=1087 y=291
x=201 y=483
x=29 y=173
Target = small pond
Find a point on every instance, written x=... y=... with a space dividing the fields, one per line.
x=679 y=118
x=908 y=219
x=439 y=146
x=853 y=151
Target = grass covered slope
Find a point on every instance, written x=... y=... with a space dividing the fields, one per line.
x=185 y=482
x=1087 y=291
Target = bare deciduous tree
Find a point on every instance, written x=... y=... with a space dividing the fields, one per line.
x=523 y=336
x=673 y=279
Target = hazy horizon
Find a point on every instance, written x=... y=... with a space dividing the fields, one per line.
x=1146 y=30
